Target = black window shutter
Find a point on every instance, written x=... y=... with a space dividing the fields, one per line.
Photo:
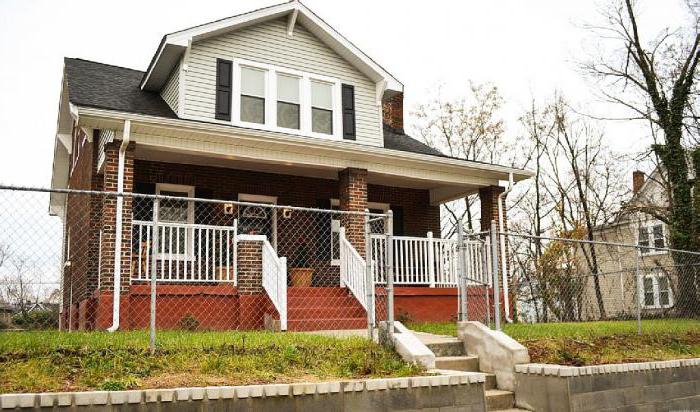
x=223 y=89
x=398 y=220
x=348 y=102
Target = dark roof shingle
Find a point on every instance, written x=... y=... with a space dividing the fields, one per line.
x=110 y=87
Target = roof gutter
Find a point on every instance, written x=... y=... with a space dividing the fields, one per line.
x=501 y=229
x=116 y=286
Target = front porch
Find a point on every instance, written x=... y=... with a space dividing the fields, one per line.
x=244 y=244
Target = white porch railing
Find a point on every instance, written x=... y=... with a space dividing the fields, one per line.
x=428 y=261
x=274 y=280
x=186 y=252
x=353 y=272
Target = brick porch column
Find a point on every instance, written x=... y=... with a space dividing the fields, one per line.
x=108 y=224
x=353 y=197
x=489 y=211
x=489 y=206
x=253 y=301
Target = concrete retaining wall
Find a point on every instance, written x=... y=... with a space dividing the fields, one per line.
x=648 y=386
x=458 y=392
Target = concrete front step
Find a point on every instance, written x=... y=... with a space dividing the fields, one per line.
x=490 y=381
x=498 y=400
x=447 y=348
x=458 y=363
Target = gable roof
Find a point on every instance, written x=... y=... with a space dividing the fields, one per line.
x=103 y=86
x=173 y=45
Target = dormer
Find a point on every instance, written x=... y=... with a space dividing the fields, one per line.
x=278 y=69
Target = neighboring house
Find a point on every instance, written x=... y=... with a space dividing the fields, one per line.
x=6 y=313
x=631 y=272
x=269 y=106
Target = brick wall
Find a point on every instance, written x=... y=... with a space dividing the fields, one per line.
x=109 y=213
x=83 y=215
x=352 y=188
x=392 y=111
x=223 y=183
x=250 y=267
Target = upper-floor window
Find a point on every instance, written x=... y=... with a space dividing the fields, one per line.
x=286 y=100
x=651 y=236
x=252 y=95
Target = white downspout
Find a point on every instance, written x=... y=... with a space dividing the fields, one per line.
x=506 y=299
x=116 y=286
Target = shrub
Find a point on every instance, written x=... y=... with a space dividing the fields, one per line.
x=38 y=319
x=189 y=322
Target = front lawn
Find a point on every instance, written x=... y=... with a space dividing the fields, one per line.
x=596 y=343
x=60 y=361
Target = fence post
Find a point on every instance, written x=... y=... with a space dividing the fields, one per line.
x=369 y=278
x=154 y=271
x=494 y=270
x=461 y=274
x=389 y=263
x=638 y=292
x=431 y=259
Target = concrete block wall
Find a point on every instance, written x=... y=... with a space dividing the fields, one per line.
x=646 y=386
x=459 y=392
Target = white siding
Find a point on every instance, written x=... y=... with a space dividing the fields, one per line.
x=170 y=92
x=268 y=43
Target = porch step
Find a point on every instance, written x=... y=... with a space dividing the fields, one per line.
x=303 y=291
x=322 y=301
x=458 y=363
x=303 y=325
x=326 y=312
x=498 y=400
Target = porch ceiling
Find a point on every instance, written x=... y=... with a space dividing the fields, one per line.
x=439 y=190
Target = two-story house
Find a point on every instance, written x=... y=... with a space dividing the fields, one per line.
x=272 y=106
x=642 y=278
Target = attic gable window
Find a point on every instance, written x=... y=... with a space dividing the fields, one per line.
x=285 y=100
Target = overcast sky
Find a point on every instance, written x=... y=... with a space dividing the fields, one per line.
x=526 y=48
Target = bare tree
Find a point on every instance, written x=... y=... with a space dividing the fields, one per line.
x=656 y=80
x=470 y=128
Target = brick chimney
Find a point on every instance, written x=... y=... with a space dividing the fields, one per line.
x=392 y=111
x=637 y=181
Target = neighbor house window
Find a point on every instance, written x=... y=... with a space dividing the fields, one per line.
x=655 y=290
x=651 y=236
x=321 y=107
x=288 y=102
x=252 y=95
x=175 y=214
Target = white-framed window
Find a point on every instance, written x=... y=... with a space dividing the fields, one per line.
x=176 y=216
x=377 y=227
x=285 y=100
x=655 y=290
x=258 y=220
x=651 y=235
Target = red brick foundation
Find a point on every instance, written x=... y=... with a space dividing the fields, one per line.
x=422 y=304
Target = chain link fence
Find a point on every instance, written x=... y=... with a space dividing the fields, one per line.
x=182 y=262
x=552 y=279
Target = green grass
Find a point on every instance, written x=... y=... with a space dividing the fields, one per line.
x=594 y=343
x=54 y=361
